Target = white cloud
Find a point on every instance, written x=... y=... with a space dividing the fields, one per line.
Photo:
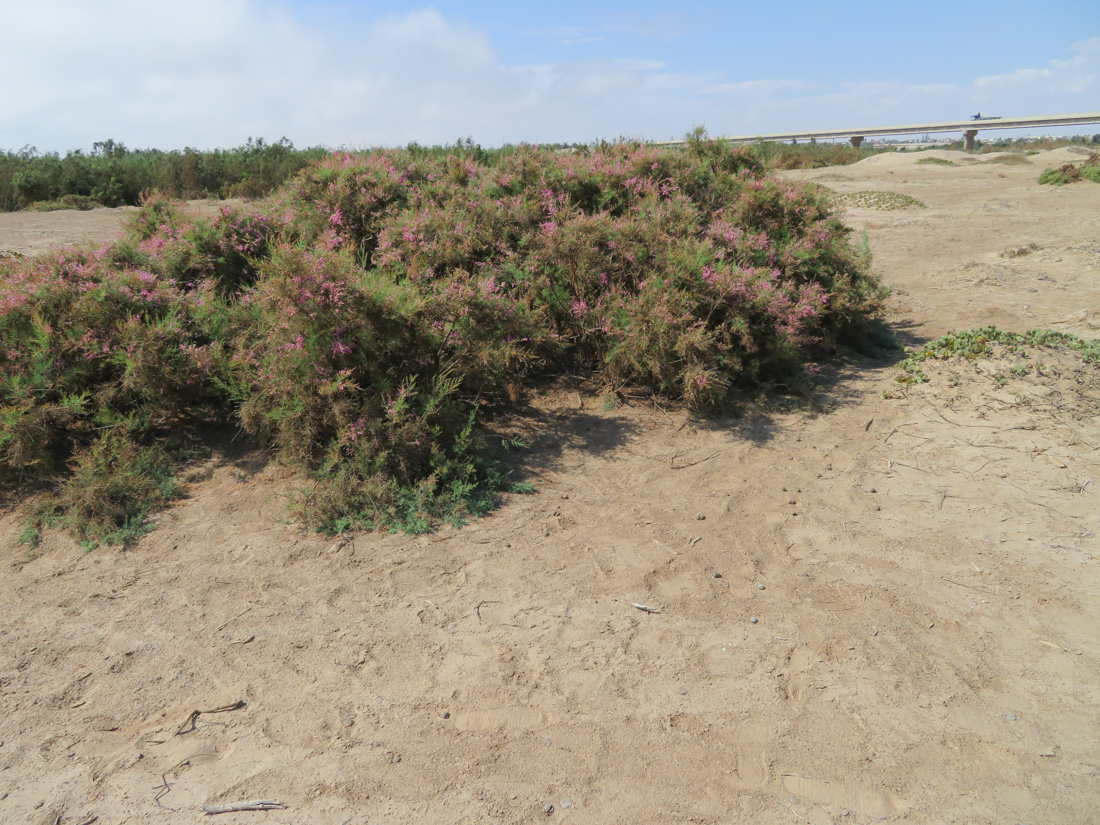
x=758 y=88
x=1073 y=77
x=211 y=73
x=1015 y=78
x=1060 y=86
x=217 y=71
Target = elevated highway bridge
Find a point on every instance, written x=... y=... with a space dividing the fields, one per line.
x=969 y=129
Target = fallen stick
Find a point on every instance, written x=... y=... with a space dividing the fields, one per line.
x=195 y=714
x=1059 y=647
x=250 y=805
x=669 y=549
x=480 y=605
x=969 y=587
x=693 y=463
x=226 y=623
x=788 y=807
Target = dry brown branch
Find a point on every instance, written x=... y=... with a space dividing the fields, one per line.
x=226 y=623
x=481 y=604
x=195 y=714
x=250 y=805
x=693 y=463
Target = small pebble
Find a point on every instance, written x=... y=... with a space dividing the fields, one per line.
x=753 y=620
x=792 y=501
x=548 y=808
x=701 y=517
x=1011 y=717
x=446 y=714
x=877 y=507
x=348 y=722
x=376 y=744
x=545 y=533
x=566 y=804
x=395 y=758
x=784 y=489
x=759 y=585
x=717 y=575
x=682 y=691
x=873 y=490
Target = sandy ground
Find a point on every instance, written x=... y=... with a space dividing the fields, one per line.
x=867 y=609
x=32 y=233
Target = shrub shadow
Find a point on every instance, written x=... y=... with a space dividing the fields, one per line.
x=839 y=383
x=531 y=438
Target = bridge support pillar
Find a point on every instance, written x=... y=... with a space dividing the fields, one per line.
x=856 y=141
x=970 y=134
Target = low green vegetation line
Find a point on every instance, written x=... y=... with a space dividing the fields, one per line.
x=362 y=320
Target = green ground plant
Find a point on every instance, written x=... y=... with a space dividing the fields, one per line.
x=1070 y=173
x=361 y=322
x=973 y=344
x=1009 y=159
x=1090 y=169
x=880 y=200
x=78 y=202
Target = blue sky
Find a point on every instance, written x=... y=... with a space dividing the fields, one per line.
x=211 y=73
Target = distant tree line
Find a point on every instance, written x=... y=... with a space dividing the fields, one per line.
x=113 y=175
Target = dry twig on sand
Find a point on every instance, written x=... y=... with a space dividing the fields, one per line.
x=226 y=623
x=645 y=608
x=195 y=714
x=250 y=805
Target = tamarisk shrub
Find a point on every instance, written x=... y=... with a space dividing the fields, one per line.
x=358 y=322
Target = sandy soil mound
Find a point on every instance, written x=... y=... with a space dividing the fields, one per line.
x=1065 y=154
x=881 y=605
